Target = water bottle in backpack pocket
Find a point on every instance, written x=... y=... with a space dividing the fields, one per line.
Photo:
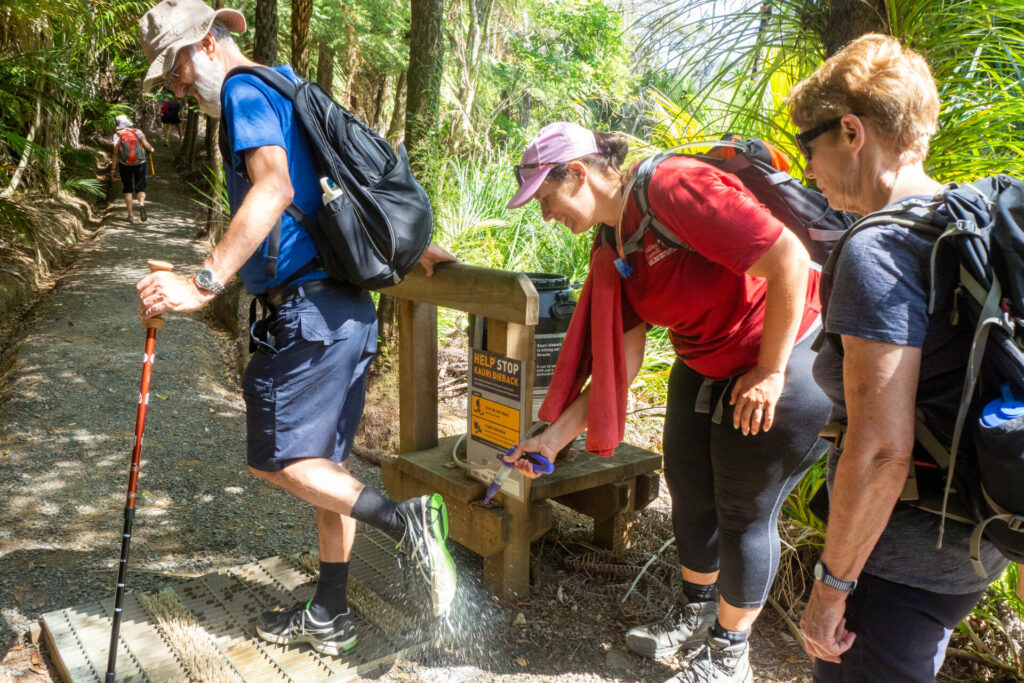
x=999 y=441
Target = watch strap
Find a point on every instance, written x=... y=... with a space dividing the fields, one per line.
x=204 y=280
x=821 y=573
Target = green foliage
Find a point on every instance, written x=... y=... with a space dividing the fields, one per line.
x=89 y=186
x=744 y=63
x=569 y=52
x=214 y=194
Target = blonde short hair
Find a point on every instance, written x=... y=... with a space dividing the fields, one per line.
x=873 y=76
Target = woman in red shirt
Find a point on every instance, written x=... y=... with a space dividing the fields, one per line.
x=741 y=306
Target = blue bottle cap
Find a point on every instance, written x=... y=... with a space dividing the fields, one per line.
x=1002 y=409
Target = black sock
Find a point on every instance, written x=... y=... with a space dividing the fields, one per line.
x=331 y=592
x=733 y=637
x=379 y=512
x=696 y=592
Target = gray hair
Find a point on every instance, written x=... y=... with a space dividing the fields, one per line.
x=224 y=39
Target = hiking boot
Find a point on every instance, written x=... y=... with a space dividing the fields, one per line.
x=426 y=529
x=297 y=626
x=131 y=218
x=716 y=661
x=142 y=212
x=682 y=627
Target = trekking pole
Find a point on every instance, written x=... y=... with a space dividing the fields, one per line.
x=152 y=170
x=152 y=325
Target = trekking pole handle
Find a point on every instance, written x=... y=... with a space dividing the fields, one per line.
x=156 y=322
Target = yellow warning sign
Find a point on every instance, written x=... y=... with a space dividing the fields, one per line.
x=496 y=412
x=494 y=434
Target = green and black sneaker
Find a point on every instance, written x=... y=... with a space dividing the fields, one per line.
x=296 y=625
x=423 y=543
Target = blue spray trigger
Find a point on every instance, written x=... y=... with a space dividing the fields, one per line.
x=541 y=465
x=622 y=265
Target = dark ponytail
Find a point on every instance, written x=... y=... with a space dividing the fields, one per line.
x=609 y=159
x=613 y=146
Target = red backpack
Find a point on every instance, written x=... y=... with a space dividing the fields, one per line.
x=130 y=149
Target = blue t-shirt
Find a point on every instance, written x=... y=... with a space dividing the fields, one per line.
x=256 y=115
x=880 y=292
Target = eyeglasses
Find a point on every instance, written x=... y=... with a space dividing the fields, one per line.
x=519 y=169
x=803 y=139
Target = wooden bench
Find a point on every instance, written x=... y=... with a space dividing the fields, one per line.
x=607 y=489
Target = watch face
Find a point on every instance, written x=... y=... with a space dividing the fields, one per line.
x=819 y=571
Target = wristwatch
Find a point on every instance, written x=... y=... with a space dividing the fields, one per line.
x=204 y=279
x=821 y=574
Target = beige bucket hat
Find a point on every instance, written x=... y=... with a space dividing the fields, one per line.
x=174 y=24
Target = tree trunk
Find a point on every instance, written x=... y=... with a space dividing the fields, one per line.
x=26 y=154
x=850 y=19
x=477 y=38
x=397 y=124
x=426 y=69
x=188 y=146
x=352 y=62
x=302 y=14
x=265 y=49
x=377 y=114
x=325 y=68
x=214 y=170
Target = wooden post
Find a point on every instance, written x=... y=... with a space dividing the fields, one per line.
x=417 y=375
x=508 y=572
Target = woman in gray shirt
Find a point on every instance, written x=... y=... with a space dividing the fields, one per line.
x=866 y=117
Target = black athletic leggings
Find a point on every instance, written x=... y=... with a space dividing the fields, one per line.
x=727 y=489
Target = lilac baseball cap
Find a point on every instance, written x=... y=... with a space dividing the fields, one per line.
x=555 y=143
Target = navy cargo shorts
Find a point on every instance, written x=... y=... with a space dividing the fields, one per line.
x=305 y=385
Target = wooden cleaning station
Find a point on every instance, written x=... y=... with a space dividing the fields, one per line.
x=608 y=490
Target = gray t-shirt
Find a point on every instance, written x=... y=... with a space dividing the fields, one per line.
x=880 y=292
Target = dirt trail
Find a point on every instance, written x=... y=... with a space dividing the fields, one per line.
x=67 y=416
x=67 y=411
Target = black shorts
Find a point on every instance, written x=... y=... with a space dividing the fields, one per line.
x=168 y=118
x=133 y=178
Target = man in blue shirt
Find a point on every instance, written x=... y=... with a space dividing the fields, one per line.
x=305 y=385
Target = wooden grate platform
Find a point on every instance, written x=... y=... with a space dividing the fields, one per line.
x=225 y=604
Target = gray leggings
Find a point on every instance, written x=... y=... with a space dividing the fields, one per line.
x=727 y=489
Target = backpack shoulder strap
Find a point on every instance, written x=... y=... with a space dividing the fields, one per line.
x=272 y=77
x=911 y=215
x=283 y=85
x=648 y=221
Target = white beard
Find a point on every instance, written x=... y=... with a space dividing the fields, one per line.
x=208 y=82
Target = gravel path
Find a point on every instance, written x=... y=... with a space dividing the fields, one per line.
x=67 y=412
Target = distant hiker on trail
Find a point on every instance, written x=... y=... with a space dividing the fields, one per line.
x=743 y=411
x=886 y=599
x=129 y=155
x=170 y=116
x=304 y=387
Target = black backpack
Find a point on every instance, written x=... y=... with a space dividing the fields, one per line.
x=378 y=220
x=803 y=210
x=987 y=488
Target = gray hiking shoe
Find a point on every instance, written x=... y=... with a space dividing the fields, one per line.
x=716 y=661
x=426 y=530
x=142 y=212
x=297 y=626
x=683 y=627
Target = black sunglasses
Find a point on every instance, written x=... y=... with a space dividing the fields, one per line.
x=803 y=139
x=519 y=169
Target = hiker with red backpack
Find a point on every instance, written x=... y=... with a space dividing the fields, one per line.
x=739 y=295
x=897 y=574
x=129 y=155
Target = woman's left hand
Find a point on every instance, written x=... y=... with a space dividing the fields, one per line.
x=755 y=396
